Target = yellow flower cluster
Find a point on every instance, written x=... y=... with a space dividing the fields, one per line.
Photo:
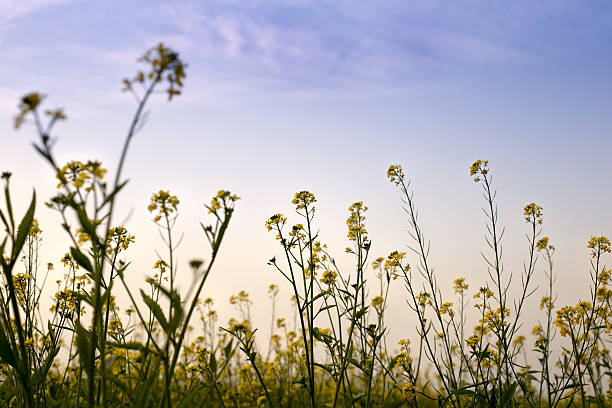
x=222 y=200
x=69 y=262
x=118 y=240
x=394 y=261
x=404 y=359
x=80 y=174
x=27 y=104
x=297 y=231
x=66 y=302
x=479 y=168
x=424 y=298
x=276 y=221
x=395 y=174
x=242 y=297
x=165 y=65
x=599 y=245
x=329 y=277
x=460 y=286
x=447 y=308
x=533 y=213
x=492 y=319
x=377 y=301
x=546 y=303
x=408 y=391
x=164 y=203
x=115 y=328
x=21 y=283
x=303 y=199
x=543 y=244
x=356 y=222
x=568 y=317
x=473 y=341
x=484 y=292
x=35 y=230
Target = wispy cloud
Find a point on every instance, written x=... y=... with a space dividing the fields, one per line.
x=300 y=45
x=11 y=10
x=331 y=42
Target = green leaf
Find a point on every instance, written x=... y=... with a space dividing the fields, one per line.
x=507 y=394
x=156 y=310
x=212 y=363
x=326 y=367
x=83 y=339
x=360 y=313
x=130 y=345
x=177 y=307
x=24 y=228
x=6 y=351
x=124 y=388
x=145 y=389
x=186 y=402
x=227 y=350
x=86 y=224
x=324 y=308
x=112 y=195
x=464 y=391
x=81 y=259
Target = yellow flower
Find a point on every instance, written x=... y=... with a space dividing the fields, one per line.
x=303 y=199
x=394 y=260
x=395 y=174
x=599 y=245
x=479 y=168
x=533 y=213
x=460 y=286
x=222 y=200
x=484 y=292
x=356 y=222
x=276 y=221
x=21 y=284
x=35 y=230
x=27 y=104
x=67 y=302
x=473 y=341
x=447 y=308
x=164 y=203
x=118 y=240
x=329 y=277
x=519 y=341
x=408 y=391
x=543 y=244
x=545 y=303
x=377 y=301
x=80 y=174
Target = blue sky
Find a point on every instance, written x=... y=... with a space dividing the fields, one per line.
x=285 y=96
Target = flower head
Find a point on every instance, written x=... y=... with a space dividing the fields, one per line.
x=80 y=175
x=543 y=244
x=303 y=199
x=223 y=199
x=479 y=168
x=599 y=245
x=275 y=222
x=395 y=174
x=356 y=221
x=118 y=240
x=329 y=277
x=460 y=286
x=163 y=204
x=533 y=213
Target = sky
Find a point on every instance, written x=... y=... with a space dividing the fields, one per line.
x=323 y=96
